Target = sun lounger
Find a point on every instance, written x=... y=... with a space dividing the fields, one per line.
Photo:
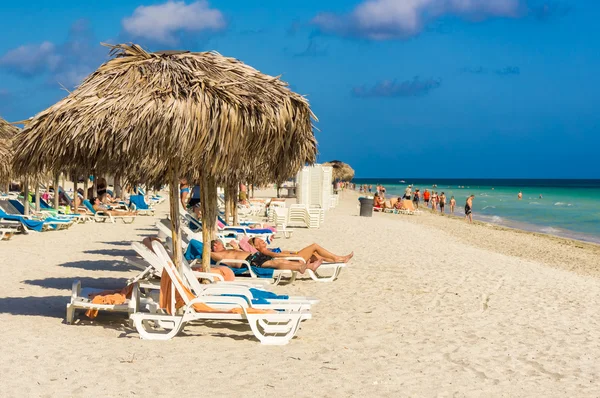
x=44 y=216
x=138 y=203
x=31 y=224
x=274 y=328
x=6 y=233
x=102 y=216
x=80 y=300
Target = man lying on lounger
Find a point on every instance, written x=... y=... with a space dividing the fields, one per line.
x=258 y=259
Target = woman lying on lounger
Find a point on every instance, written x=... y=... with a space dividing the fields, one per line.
x=310 y=253
x=99 y=206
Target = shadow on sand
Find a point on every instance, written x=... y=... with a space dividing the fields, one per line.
x=118 y=243
x=100 y=265
x=67 y=283
x=112 y=252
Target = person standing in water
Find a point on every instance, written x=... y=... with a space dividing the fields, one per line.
x=442 y=200
x=469 y=209
x=452 y=204
x=520 y=195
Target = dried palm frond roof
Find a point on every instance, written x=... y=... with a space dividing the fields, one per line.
x=341 y=171
x=7 y=132
x=200 y=110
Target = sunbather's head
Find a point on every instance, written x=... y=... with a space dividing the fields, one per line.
x=217 y=246
x=258 y=243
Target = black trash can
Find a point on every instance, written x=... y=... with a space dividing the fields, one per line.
x=366 y=207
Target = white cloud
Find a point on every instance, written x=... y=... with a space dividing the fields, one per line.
x=394 y=19
x=30 y=59
x=161 y=23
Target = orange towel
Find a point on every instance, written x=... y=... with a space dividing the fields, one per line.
x=114 y=297
x=165 y=299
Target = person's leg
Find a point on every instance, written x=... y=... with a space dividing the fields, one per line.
x=278 y=263
x=309 y=251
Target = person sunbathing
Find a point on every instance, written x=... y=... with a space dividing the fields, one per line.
x=258 y=259
x=99 y=206
x=378 y=202
x=310 y=253
x=398 y=205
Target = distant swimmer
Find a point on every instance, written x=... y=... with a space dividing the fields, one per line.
x=469 y=209
x=452 y=204
x=541 y=196
x=520 y=195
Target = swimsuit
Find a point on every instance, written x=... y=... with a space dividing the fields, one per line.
x=467 y=209
x=258 y=259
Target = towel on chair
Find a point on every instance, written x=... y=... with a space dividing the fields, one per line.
x=114 y=297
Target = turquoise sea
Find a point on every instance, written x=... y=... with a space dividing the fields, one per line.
x=569 y=208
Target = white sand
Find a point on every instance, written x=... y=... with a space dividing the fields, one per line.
x=421 y=312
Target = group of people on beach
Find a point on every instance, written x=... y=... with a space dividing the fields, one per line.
x=432 y=200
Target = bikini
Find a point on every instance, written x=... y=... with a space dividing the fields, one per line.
x=258 y=259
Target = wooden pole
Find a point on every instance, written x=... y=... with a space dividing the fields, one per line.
x=37 y=195
x=64 y=177
x=95 y=189
x=227 y=203
x=234 y=203
x=26 y=196
x=56 y=191
x=118 y=185
x=75 y=203
x=208 y=192
x=175 y=217
x=86 y=179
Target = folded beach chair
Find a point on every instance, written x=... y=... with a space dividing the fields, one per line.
x=101 y=216
x=269 y=326
x=138 y=203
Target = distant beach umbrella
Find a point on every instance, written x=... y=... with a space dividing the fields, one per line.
x=164 y=114
x=341 y=171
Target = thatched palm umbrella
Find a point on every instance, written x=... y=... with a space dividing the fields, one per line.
x=173 y=110
x=341 y=171
x=7 y=132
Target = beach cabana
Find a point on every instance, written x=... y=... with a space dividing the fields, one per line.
x=7 y=132
x=341 y=171
x=166 y=113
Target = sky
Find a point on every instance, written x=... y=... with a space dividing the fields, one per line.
x=401 y=88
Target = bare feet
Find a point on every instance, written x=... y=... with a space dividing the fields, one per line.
x=345 y=259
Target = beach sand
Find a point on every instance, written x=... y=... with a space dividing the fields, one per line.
x=430 y=306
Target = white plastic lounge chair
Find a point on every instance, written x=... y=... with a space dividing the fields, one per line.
x=80 y=301
x=101 y=216
x=6 y=233
x=276 y=328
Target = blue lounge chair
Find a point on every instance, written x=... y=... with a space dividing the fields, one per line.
x=27 y=223
x=138 y=203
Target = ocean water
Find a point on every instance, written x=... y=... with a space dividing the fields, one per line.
x=569 y=208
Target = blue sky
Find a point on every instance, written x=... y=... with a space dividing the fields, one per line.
x=402 y=88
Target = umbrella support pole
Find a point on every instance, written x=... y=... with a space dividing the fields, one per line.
x=86 y=178
x=227 y=203
x=56 y=193
x=75 y=195
x=37 y=195
x=209 y=217
x=26 y=196
x=175 y=216
x=234 y=202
